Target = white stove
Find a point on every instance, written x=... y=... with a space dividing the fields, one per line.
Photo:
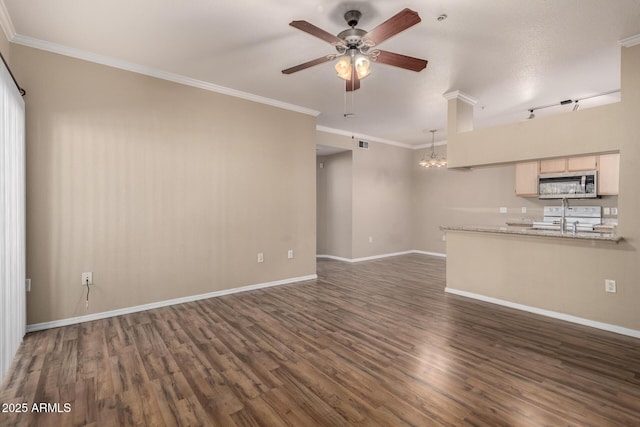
x=585 y=218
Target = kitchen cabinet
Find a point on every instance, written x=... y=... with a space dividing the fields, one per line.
x=584 y=163
x=553 y=165
x=527 y=179
x=571 y=164
x=608 y=174
x=607 y=165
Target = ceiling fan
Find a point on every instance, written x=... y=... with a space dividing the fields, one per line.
x=356 y=47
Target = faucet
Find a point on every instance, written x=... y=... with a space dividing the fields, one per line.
x=563 y=218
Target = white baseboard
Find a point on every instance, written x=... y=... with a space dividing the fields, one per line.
x=336 y=258
x=369 y=258
x=438 y=254
x=105 y=314
x=554 y=314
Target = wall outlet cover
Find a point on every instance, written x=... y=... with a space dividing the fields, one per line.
x=87 y=278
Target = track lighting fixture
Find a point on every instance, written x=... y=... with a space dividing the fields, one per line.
x=576 y=106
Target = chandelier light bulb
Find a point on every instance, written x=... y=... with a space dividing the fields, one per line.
x=343 y=68
x=362 y=66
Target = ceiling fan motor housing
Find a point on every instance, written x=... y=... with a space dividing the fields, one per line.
x=352 y=36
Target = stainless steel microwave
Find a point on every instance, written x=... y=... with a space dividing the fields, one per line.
x=570 y=185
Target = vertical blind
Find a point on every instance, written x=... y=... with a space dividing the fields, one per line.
x=12 y=220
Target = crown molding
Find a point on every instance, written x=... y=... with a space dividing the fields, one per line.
x=456 y=94
x=5 y=22
x=363 y=136
x=152 y=72
x=428 y=145
x=630 y=41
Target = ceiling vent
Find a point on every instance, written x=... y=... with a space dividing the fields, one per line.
x=363 y=144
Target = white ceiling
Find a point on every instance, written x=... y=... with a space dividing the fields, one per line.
x=511 y=55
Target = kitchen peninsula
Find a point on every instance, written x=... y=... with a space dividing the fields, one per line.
x=541 y=271
x=527 y=231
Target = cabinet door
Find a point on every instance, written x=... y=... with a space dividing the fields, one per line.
x=585 y=163
x=553 y=165
x=608 y=174
x=527 y=179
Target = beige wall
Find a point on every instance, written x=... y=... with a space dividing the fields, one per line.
x=382 y=192
x=161 y=190
x=553 y=274
x=335 y=205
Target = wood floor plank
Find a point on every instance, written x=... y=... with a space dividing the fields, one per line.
x=377 y=343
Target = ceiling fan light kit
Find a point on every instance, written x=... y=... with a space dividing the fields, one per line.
x=354 y=47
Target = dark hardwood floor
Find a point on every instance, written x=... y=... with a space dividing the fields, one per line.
x=367 y=344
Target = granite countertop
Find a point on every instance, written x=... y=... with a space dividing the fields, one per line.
x=608 y=237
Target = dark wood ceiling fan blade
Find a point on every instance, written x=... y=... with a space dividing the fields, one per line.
x=311 y=63
x=392 y=26
x=402 y=61
x=354 y=82
x=315 y=31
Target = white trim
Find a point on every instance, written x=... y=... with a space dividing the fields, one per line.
x=336 y=258
x=362 y=136
x=6 y=23
x=152 y=72
x=456 y=94
x=554 y=314
x=369 y=258
x=128 y=310
x=438 y=254
x=630 y=41
x=428 y=145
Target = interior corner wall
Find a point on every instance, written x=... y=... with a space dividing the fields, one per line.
x=334 y=204
x=382 y=196
x=161 y=190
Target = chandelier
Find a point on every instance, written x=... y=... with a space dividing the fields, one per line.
x=434 y=160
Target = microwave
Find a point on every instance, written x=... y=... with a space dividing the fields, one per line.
x=570 y=185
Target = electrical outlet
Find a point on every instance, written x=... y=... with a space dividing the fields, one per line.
x=87 y=278
x=503 y=210
x=370 y=239
x=27 y=285
x=524 y=209
x=610 y=285
x=260 y=257
x=614 y=211
x=290 y=254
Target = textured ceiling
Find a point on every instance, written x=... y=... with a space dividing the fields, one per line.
x=511 y=55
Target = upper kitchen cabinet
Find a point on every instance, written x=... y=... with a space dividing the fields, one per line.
x=553 y=165
x=585 y=163
x=608 y=174
x=607 y=165
x=571 y=164
x=527 y=179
